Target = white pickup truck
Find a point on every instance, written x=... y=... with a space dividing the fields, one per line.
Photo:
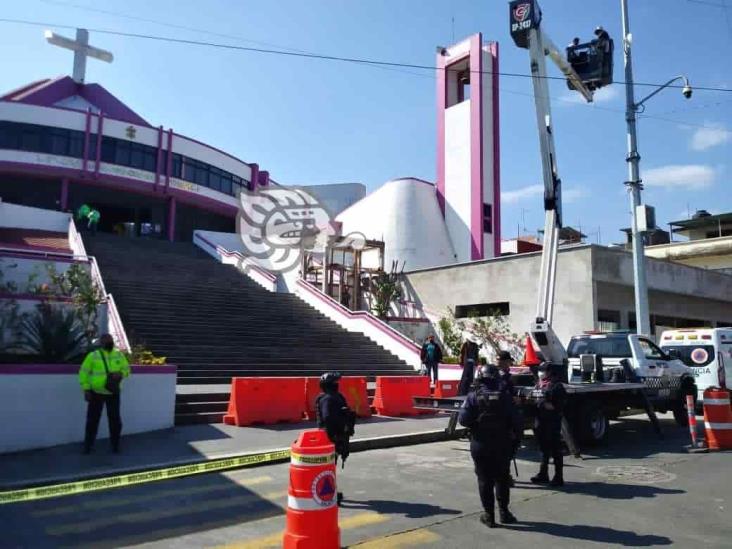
x=626 y=357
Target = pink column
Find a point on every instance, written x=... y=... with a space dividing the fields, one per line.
x=171 y=218
x=64 y=202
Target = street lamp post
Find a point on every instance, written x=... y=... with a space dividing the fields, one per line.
x=634 y=183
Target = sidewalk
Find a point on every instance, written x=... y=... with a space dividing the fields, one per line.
x=195 y=444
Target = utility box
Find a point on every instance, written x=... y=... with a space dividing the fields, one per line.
x=645 y=217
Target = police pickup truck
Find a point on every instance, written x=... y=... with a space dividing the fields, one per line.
x=609 y=375
x=621 y=357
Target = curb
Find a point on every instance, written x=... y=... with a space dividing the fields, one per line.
x=358 y=445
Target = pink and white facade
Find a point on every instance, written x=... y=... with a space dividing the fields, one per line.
x=468 y=155
x=458 y=219
x=64 y=143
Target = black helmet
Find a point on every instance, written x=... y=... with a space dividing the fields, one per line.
x=599 y=30
x=487 y=372
x=329 y=380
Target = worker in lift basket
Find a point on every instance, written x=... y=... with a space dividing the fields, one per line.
x=335 y=417
x=490 y=414
x=548 y=423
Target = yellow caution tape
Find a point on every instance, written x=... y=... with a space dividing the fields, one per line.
x=313 y=459
x=80 y=487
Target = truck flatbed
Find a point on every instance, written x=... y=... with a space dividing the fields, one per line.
x=451 y=404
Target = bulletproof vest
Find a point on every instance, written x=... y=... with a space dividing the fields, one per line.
x=490 y=409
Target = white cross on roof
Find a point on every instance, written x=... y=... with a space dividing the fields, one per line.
x=81 y=49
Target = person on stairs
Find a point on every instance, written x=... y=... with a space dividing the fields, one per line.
x=548 y=423
x=431 y=355
x=100 y=377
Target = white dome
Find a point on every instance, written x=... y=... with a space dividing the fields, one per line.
x=404 y=214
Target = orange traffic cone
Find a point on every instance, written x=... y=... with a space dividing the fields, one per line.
x=312 y=501
x=530 y=358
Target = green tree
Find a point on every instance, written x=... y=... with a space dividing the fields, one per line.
x=450 y=333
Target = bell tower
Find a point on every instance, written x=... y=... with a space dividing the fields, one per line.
x=468 y=147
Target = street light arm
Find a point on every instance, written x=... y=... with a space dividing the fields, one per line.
x=657 y=90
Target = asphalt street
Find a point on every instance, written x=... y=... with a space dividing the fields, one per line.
x=635 y=491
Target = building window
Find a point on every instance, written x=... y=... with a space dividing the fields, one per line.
x=463 y=85
x=499 y=308
x=488 y=218
x=608 y=321
x=63 y=142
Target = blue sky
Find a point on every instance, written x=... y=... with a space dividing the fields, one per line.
x=310 y=121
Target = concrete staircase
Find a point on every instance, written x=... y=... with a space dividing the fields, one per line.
x=214 y=323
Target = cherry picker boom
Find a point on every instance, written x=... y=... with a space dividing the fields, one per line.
x=598 y=387
x=526 y=31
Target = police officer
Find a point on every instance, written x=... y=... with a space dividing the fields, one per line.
x=489 y=413
x=334 y=416
x=548 y=423
x=505 y=361
x=468 y=360
x=100 y=377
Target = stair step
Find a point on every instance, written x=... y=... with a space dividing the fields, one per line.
x=199 y=418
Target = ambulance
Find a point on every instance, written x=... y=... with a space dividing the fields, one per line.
x=707 y=351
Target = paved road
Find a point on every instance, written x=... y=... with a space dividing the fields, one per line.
x=636 y=491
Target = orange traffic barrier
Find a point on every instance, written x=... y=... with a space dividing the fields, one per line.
x=357 y=395
x=312 y=390
x=354 y=390
x=394 y=395
x=445 y=389
x=718 y=418
x=312 y=501
x=265 y=400
x=530 y=357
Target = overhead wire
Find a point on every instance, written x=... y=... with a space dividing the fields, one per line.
x=318 y=56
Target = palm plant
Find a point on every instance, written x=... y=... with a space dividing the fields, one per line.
x=53 y=334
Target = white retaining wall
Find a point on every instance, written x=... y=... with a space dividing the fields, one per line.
x=43 y=405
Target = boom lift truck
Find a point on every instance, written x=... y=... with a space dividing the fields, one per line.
x=590 y=404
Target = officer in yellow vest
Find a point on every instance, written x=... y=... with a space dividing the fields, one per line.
x=101 y=376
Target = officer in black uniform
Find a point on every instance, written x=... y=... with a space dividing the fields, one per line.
x=489 y=413
x=335 y=417
x=551 y=398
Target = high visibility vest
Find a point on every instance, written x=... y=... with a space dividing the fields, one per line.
x=83 y=212
x=92 y=374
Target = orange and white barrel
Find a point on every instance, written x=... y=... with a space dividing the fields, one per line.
x=718 y=418
x=312 y=500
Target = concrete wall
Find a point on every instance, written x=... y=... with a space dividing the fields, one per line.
x=616 y=267
x=17 y=268
x=25 y=217
x=512 y=279
x=42 y=405
x=615 y=297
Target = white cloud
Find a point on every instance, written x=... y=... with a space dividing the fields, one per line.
x=569 y=194
x=603 y=95
x=709 y=136
x=517 y=195
x=680 y=176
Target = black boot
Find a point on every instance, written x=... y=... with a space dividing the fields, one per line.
x=558 y=479
x=488 y=519
x=507 y=517
x=542 y=477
